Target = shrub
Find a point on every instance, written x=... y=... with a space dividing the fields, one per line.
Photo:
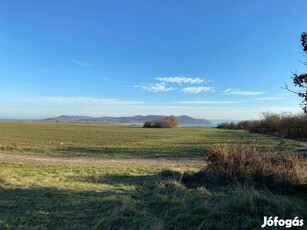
x=284 y=125
x=148 y=124
x=168 y=122
x=272 y=169
x=248 y=125
x=228 y=125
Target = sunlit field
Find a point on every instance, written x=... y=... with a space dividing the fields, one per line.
x=53 y=197
x=60 y=139
x=107 y=108
x=133 y=197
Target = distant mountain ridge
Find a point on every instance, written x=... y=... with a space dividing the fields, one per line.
x=184 y=119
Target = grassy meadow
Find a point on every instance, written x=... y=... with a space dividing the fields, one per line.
x=52 y=197
x=134 y=197
x=60 y=139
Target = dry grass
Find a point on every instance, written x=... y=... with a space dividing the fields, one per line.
x=56 y=197
x=272 y=169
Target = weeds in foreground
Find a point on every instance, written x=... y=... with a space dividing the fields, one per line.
x=55 y=197
x=181 y=206
x=282 y=170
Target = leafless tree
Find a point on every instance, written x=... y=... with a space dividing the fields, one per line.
x=300 y=80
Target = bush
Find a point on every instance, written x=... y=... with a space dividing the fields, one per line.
x=248 y=125
x=227 y=125
x=148 y=124
x=273 y=169
x=284 y=125
x=168 y=122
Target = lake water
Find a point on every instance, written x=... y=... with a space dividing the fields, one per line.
x=213 y=123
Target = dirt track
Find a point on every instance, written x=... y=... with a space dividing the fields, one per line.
x=87 y=161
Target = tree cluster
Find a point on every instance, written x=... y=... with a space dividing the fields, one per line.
x=168 y=122
x=283 y=125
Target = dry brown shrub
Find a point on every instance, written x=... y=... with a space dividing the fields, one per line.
x=272 y=169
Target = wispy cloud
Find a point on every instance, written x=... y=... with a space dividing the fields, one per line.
x=198 y=89
x=205 y=102
x=284 y=94
x=241 y=92
x=80 y=101
x=182 y=80
x=267 y=98
x=82 y=63
x=155 y=88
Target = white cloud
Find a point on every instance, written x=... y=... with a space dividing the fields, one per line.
x=284 y=94
x=267 y=98
x=80 y=101
x=82 y=63
x=198 y=89
x=205 y=102
x=181 y=80
x=241 y=92
x=155 y=88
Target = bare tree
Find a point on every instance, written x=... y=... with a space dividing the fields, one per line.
x=300 y=80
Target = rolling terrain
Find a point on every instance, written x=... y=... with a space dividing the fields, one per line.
x=112 y=141
x=125 y=120
x=107 y=182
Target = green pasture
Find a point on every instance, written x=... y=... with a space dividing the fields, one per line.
x=130 y=197
x=61 y=139
x=51 y=197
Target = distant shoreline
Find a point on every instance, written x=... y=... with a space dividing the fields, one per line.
x=213 y=123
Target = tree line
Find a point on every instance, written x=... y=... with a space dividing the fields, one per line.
x=283 y=125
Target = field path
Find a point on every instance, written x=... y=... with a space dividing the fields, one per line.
x=87 y=161
x=302 y=150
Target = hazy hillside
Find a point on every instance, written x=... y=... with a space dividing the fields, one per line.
x=133 y=120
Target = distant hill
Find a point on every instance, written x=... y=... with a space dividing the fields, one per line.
x=124 y=120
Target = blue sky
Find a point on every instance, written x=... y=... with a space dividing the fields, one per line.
x=207 y=59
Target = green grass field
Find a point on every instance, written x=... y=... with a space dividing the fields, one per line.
x=130 y=197
x=58 y=139
x=50 y=197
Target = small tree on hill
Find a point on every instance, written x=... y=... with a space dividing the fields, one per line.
x=300 y=80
